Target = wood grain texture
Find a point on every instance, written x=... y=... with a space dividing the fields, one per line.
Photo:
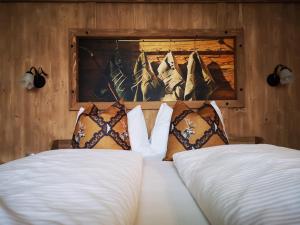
x=36 y=34
x=157 y=1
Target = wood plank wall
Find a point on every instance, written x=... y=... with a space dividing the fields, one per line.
x=34 y=34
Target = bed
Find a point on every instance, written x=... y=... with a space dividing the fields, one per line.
x=187 y=173
x=73 y=186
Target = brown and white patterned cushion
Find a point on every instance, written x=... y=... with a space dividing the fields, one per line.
x=102 y=129
x=193 y=130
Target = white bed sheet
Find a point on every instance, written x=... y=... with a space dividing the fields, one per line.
x=244 y=184
x=164 y=200
x=71 y=187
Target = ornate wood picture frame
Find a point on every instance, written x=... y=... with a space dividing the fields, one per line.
x=150 y=66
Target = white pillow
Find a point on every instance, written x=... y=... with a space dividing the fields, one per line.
x=160 y=131
x=137 y=129
x=138 y=134
x=217 y=109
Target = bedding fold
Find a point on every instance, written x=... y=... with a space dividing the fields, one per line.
x=71 y=187
x=244 y=184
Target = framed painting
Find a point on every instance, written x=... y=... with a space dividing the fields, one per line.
x=149 y=67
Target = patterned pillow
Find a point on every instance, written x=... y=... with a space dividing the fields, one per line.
x=102 y=129
x=193 y=130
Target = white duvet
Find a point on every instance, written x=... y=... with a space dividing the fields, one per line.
x=244 y=184
x=71 y=187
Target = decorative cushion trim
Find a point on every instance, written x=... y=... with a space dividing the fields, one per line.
x=203 y=129
x=106 y=128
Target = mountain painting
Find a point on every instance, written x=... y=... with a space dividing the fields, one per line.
x=144 y=70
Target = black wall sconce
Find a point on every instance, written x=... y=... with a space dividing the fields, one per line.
x=34 y=78
x=281 y=75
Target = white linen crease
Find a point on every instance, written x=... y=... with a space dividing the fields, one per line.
x=164 y=199
x=71 y=187
x=244 y=184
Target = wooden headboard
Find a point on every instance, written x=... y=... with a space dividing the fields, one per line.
x=66 y=143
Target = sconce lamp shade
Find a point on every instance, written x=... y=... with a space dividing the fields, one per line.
x=27 y=80
x=34 y=78
x=281 y=75
x=286 y=76
x=39 y=81
x=273 y=79
x=39 y=78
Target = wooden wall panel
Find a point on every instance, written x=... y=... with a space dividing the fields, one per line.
x=35 y=34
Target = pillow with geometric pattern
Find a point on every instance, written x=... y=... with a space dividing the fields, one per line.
x=102 y=129
x=193 y=130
